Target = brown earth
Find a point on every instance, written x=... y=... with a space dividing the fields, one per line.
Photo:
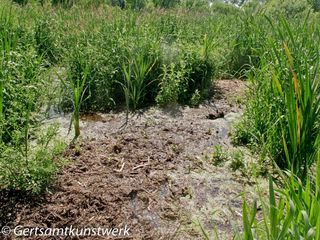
x=153 y=175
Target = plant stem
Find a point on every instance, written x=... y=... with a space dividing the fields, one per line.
x=77 y=125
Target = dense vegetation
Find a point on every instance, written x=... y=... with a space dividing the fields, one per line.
x=85 y=56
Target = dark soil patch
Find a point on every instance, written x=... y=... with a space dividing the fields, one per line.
x=150 y=176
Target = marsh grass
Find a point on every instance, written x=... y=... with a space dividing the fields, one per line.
x=115 y=57
x=300 y=91
x=136 y=73
x=290 y=213
x=283 y=114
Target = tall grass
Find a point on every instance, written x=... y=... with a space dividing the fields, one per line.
x=283 y=115
x=8 y=42
x=135 y=73
x=300 y=91
x=78 y=85
x=292 y=212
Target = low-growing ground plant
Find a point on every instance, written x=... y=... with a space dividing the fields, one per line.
x=219 y=155
x=30 y=166
x=238 y=161
x=195 y=99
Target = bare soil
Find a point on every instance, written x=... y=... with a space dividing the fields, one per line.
x=151 y=175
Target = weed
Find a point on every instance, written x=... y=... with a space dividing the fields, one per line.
x=195 y=99
x=237 y=161
x=172 y=83
x=219 y=155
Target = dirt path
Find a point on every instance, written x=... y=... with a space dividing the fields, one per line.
x=152 y=176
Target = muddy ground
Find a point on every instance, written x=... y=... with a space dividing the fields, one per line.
x=155 y=175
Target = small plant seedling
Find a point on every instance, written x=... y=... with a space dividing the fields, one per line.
x=237 y=162
x=219 y=155
x=78 y=89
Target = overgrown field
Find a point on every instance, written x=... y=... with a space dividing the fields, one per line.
x=91 y=56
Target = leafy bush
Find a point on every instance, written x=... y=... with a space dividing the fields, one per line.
x=172 y=83
x=20 y=82
x=287 y=8
x=26 y=167
x=25 y=164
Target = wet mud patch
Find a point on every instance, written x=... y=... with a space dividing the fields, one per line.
x=151 y=175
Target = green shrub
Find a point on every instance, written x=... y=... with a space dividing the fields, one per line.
x=21 y=2
x=63 y=3
x=25 y=163
x=287 y=8
x=172 y=83
x=188 y=73
x=20 y=82
x=28 y=167
x=166 y=3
